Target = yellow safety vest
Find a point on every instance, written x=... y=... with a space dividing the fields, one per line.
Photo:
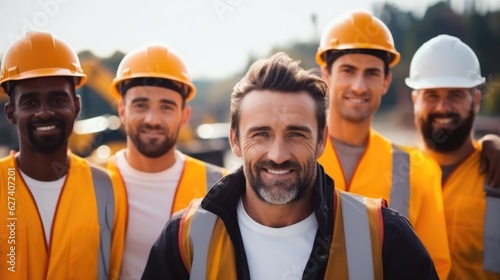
x=196 y=179
x=87 y=232
x=473 y=223
x=208 y=253
x=408 y=180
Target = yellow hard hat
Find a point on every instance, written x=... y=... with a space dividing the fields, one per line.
x=153 y=61
x=357 y=30
x=40 y=54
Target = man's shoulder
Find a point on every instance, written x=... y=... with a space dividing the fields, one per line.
x=207 y=165
x=7 y=159
x=419 y=160
x=396 y=223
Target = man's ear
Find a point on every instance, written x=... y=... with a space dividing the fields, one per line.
x=233 y=142
x=414 y=96
x=477 y=100
x=387 y=82
x=121 y=110
x=9 y=113
x=78 y=105
x=186 y=114
x=322 y=143
x=324 y=73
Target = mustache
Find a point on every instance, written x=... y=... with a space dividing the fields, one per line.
x=454 y=116
x=37 y=122
x=153 y=127
x=269 y=164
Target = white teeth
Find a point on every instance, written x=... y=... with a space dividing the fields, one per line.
x=45 y=128
x=356 y=100
x=278 y=172
x=443 y=120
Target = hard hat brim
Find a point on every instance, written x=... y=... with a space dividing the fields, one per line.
x=443 y=82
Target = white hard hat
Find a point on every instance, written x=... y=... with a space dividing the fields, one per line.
x=444 y=62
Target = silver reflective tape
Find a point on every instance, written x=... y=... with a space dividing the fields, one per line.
x=213 y=175
x=491 y=237
x=357 y=237
x=105 y=208
x=400 y=187
x=200 y=234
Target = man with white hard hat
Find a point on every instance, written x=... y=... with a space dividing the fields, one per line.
x=445 y=77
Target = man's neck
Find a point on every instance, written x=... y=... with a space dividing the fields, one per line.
x=353 y=134
x=146 y=164
x=43 y=166
x=451 y=158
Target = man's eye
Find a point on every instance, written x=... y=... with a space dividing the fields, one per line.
x=28 y=103
x=261 y=134
x=296 y=134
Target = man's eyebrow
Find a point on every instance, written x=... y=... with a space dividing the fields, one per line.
x=299 y=128
x=259 y=128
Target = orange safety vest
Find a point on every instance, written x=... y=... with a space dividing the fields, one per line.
x=87 y=233
x=472 y=218
x=208 y=253
x=196 y=179
x=408 y=180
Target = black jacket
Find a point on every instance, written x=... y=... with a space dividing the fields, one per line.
x=404 y=256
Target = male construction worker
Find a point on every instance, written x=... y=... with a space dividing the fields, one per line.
x=65 y=219
x=280 y=216
x=445 y=76
x=153 y=87
x=355 y=55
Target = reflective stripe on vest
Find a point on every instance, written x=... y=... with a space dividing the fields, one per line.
x=105 y=207
x=357 y=237
x=356 y=232
x=200 y=234
x=213 y=176
x=400 y=188
x=491 y=237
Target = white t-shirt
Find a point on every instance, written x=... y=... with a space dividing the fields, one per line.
x=46 y=195
x=276 y=253
x=150 y=197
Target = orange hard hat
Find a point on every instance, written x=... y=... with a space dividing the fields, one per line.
x=357 y=30
x=40 y=54
x=153 y=61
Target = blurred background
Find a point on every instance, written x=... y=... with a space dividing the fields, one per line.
x=219 y=39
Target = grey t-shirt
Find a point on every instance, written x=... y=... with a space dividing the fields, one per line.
x=348 y=156
x=446 y=171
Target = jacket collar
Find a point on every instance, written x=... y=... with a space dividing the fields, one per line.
x=223 y=198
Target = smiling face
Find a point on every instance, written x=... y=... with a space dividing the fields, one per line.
x=44 y=111
x=153 y=117
x=445 y=116
x=279 y=144
x=357 y=84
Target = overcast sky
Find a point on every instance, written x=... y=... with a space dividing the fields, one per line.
x=214 y=37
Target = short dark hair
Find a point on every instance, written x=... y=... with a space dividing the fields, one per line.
x=176 y=86
x=282 y=74
x=333 y=55
x=10 y=85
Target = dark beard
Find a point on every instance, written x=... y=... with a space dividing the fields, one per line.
x=153 y=149
x=447 y=140
x=47 y=145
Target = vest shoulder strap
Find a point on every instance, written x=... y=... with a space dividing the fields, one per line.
x=104 y=194
x=491 y=235
x=356 y=248
x=195 y=233
x=400 y=186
